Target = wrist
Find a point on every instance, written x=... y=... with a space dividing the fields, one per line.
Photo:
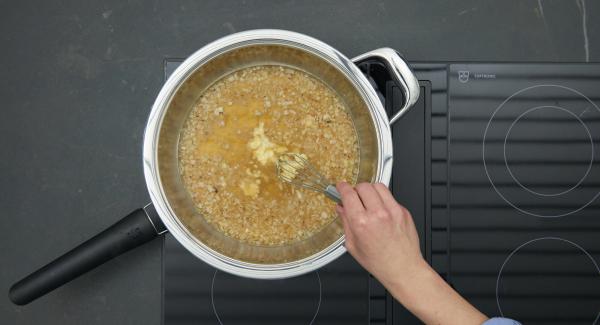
x=405 y=288
x=408 y=279
x=425 y=294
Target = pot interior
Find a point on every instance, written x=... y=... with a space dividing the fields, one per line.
x=182 y=101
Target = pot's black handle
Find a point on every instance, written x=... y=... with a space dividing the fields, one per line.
x=400 y=73
x=137 y=228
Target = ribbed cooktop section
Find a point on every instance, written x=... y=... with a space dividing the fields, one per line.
x=523 y=168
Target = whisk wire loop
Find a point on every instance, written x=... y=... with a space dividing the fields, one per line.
x=296 y=169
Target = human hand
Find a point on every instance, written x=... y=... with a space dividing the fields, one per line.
x=380 y=233
x=382 y=237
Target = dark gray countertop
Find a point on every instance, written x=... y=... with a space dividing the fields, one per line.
x=78 y=80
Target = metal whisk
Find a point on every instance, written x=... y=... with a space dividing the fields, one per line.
x=296 y=169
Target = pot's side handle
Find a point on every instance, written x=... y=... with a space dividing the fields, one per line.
x=400 y=72
x=137 y=228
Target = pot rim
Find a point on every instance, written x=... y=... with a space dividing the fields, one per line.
x=160 y=106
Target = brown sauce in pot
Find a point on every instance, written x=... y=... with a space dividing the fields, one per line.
x=233 y=136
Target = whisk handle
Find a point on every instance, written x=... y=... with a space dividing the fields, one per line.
x=333 y=193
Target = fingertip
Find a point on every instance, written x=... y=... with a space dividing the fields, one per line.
x=362 y=186
x=344 y=188
x=380 y=185
x=350 y=199
x=344 y=185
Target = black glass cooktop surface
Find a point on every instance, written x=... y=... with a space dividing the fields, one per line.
x=499 y=165
x=520 y=201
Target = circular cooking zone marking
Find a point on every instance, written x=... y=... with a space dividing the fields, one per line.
x=237 y=300
x=549 y=278
x=539 y=151
x=584 y=132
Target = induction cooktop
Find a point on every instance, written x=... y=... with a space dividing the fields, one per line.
x=499 y=165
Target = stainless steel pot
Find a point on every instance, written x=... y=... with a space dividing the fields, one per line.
x=171 y=206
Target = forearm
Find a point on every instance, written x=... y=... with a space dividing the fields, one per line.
x=432 y=300
x=382 y=237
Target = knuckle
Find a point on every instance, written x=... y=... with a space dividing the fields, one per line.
x=380 y=185
x=355 y=216
x=381 y=214
x=362 y=186
x=345 y=189
x=361 y=222
x=404 y=211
